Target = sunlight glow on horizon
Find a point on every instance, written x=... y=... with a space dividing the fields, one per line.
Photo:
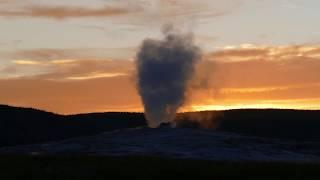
x=220 y=107
x=251 y=106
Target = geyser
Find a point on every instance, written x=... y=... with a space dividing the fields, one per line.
x=164 y=68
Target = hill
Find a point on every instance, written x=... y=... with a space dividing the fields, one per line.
x=300 y=125
x=28 y=126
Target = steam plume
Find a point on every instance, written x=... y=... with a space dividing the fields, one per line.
x=164 y=68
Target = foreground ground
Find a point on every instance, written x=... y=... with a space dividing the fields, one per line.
x=142 y=167
x=182 y=143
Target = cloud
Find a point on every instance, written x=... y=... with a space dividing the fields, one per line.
x=63 y=12
x=140 y=13
x=68 y=69
x=8 y=69
x=263 y=66
x=252 y=52
x=186 y=13
x=44 y=54
x=95 y=75
x=88 y=69
x=67 y=64
x=76 y=53
x=26 y=62
x=5 y=1
x=39 y=62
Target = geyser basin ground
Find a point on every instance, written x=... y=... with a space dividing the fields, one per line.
x=181 y=143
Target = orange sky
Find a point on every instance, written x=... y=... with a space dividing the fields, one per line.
x=245 y=76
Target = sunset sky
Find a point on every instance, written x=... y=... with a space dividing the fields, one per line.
x=77 y=56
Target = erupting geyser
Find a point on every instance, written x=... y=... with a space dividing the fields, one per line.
x=164 y=68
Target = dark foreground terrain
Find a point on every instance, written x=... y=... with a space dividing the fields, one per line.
x=142 y=167
x=235 y=144
x=183 y=143
x=20 y=126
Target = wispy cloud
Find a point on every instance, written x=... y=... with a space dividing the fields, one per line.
x=181 y=12
x=80 y=53
x=68 y=69
x=251 y=52
x=137 y=13
x=26 y=62
x=67 y=64
x=95 y=75
x=263 y=71
x=63 y=12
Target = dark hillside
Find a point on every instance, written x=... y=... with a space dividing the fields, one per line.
x=27 y=126
x=272 y=123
